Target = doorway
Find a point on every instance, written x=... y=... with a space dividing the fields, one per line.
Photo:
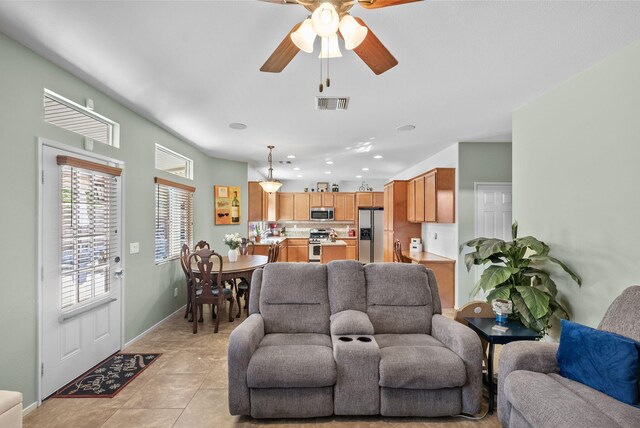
x=80 y=247
x=493 y=214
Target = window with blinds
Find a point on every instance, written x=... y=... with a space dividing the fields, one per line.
x=174 y=219
x=73 y=117
x=89 y=230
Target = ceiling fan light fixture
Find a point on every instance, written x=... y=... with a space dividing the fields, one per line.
x=304 y=36
x=325 y=20
x=352 y=32
x=330 y=47
x=271 y=185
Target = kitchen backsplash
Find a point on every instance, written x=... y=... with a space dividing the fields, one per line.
x=301 y=229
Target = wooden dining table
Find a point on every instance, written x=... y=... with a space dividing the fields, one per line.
x=243 y=268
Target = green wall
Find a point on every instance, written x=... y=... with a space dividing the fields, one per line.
x=477 y=163
x=148 y=288
x=576 y=179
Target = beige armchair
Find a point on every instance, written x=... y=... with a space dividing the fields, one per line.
x=10 y=409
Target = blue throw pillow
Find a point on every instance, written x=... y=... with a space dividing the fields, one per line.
x=604 y=361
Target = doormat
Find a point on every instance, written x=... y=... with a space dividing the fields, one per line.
x=107 y=378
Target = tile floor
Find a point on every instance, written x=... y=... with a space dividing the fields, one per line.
x=187 y=387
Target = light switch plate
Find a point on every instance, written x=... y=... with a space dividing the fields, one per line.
x=134 y=248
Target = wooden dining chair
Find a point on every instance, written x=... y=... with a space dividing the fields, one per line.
x=184 y=260
x=397 y=253
x=476 y=309
x=207 y=286
x=242 y=287
x=274 y=252
x=201 y=245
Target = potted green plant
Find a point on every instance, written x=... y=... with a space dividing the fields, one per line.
x=519 y=272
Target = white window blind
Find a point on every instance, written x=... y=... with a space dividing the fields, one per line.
x=89 y=230
x=173 y=162
x=73 y=117
x=174 y=219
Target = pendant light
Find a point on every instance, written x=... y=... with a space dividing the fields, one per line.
x=271 y=185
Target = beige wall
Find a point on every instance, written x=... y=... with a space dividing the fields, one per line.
x=576 y=179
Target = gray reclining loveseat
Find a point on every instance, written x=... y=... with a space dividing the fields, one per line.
x=351 y=340
x=531 y=392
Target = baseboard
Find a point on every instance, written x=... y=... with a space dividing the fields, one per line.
x=141 y=335
x=30 y=408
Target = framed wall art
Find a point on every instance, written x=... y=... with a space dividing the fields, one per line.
x=227 y=204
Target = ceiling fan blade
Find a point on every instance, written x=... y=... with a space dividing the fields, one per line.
x=377 y=4
x=373 y=52
x=283 y=54
x=281 y=1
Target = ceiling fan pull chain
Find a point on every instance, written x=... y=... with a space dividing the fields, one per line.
x=321 y=87
x=328 y=79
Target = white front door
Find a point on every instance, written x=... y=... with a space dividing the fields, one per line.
x=493 y=214
x=81 y=261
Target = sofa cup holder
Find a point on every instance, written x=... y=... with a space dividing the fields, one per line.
x=364 y=339
x=345 y=339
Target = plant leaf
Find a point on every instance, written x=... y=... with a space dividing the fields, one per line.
x=543 y=282
x=491 y=247
x=499 y=293
x=514 y=230
x=494 y=276
x=536 y=300
x=471 y=243
x=558 y=310
x=544 y=259
x=471 y=259
x=538 y=246
x=539 y=325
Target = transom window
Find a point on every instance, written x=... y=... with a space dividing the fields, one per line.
x=73 y=117
x=174 y=163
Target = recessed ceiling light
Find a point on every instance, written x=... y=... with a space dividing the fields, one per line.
x=347 y=148
x=291 y=156
x=238 y=126
x=358 y=176
x=296 y=169
x=377 y=157
x=327 y=172
x=365 y=169
x=299 y=176
x=329 y=162
x=372 y=138
x=406 y=128
x=366 y=144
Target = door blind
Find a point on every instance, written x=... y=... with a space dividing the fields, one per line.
x=174 y=219
x=89 y=230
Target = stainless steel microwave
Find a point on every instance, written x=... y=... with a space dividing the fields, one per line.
x=321 y=214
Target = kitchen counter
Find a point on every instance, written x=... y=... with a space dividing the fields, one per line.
x=420 y=257
x=443 y=268
x=333 y=244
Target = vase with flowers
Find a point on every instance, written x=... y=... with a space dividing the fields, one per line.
x=233 y=240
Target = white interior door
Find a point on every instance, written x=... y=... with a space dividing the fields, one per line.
x=81 y=275
x=493 y=214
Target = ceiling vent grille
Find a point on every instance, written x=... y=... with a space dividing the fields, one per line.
x=332 y=103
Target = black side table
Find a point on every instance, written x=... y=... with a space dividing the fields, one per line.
x=484 y=328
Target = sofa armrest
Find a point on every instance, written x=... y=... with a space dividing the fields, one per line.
x=243 y=342
x=466 y=344
x=350 y=322
x=523 y=355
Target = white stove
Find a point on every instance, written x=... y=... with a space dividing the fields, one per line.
x=316 y=237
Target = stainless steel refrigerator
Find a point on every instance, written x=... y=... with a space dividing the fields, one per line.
x=371 y=236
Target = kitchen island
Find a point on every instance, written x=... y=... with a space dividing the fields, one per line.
x=333 y=251
x=443 y=268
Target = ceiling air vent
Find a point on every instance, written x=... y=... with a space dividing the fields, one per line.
x=332 y=103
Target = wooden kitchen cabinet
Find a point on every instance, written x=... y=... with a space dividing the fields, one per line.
x=419 y=200
x=344 y=205
x=315 y=199
x=395 y=218
x=352 y=248
x=301 y=206
x=327 y=199
x=364 y=200
x=378 y=199
x=433 y=198
x=262 y=206
x=411 y=200
x=297 y=250
x=286 y=206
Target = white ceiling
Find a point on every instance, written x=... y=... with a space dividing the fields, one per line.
x=192 y=67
